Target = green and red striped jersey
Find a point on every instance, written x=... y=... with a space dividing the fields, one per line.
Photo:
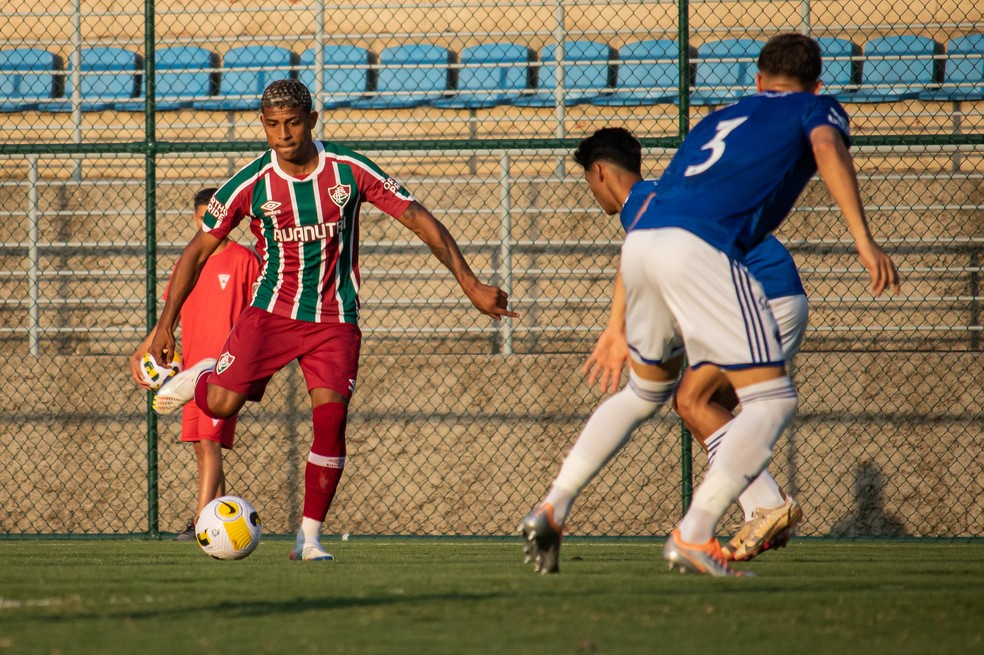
x=307 y=230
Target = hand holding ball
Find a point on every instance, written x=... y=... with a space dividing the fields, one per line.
x=156 y=375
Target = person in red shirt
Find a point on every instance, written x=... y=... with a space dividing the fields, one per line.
x=222 y=293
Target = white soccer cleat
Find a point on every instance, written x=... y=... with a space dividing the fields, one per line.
x=178 y=390
x=310 y=553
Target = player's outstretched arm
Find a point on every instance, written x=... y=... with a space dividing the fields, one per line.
x=611 y=352
x=183 y=280
x=491 y=301
x=836 y=167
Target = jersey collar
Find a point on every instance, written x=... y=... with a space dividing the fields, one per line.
x=290 y=178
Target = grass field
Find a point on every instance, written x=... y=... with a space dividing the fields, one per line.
x=426 y=597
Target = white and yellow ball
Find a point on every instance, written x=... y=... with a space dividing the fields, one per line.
x=228 y=528
x=155 y=374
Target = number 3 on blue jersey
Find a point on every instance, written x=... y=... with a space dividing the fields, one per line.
x=715 y=145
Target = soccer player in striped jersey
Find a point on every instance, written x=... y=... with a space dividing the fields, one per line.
x=302 y=199
x=733 y=180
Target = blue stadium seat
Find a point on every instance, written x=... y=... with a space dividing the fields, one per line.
x=841 y=66
x=246 y=72
x=345 y=77
x=725 y=71
x=648 y=74
x=588 y=74
x=108 y=75
x=409 y=76
x=897 y=68
x=491 y=74
x=963 y=72
x=27 y=76
x=184 y=74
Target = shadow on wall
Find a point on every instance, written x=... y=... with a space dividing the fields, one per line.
x=869 y=518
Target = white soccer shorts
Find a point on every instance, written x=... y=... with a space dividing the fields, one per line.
x=791 y=314
x=684 y=294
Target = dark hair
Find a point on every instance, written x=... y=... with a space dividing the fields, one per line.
x=615 y=145
x=794 y=56
x=203 y=196
x=286 y=94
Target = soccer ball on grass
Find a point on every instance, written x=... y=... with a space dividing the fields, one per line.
x=228 y=528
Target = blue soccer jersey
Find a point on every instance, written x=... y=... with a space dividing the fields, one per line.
x=774 y=268
x=737 y=174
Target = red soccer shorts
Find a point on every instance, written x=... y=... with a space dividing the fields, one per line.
x=262 y=343
x=195 y=426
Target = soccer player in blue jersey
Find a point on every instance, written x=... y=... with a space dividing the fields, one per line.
x=705 y=400
x=687 y=291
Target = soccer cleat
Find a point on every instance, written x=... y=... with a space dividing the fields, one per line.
x=705 y=559
x=768 y=530
x=541 y=539
x=310 y=553
x=178 y=390
x=188 y=534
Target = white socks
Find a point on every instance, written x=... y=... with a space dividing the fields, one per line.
x=309 y=533
x=742 y=453
x=605 y=433
x=763 y=492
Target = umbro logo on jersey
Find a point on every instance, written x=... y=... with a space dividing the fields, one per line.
x=224 y=280
x=340 y=194
x=225 y=361
x=271 y=208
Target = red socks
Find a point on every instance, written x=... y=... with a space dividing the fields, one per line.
x=326 y=460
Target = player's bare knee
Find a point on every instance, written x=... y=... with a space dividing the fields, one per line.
x=223 y=403
x=209 y=447
x=686 y=403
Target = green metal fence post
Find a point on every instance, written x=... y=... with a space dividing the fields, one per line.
x=150 y=199
x=683 y=37
x=686 y=463
x=686 y=467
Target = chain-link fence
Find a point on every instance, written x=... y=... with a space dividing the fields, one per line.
x=459 y=424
